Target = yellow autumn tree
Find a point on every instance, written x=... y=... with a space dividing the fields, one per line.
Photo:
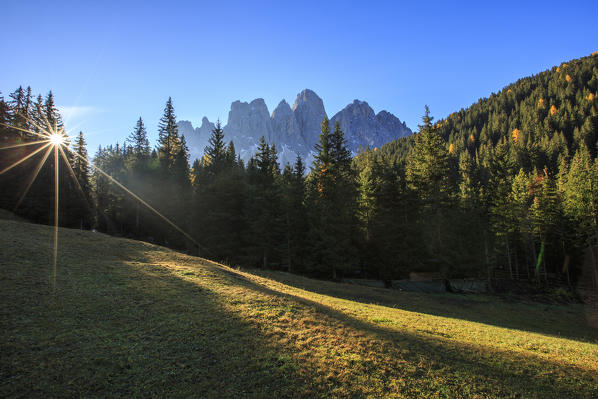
x=553 y=110
x=452 y=149
x=568 y=78
x=541 y=103
x=472 y=138
x=590 y=97
x=515 y=135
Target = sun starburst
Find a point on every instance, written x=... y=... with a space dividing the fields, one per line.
x=54 y=139
x=57 y=139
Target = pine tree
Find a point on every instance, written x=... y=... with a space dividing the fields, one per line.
x=266 y=206
x=295 y=215
x=333 y=203
x=181 y=172
x=17 y=106
x=139 y=142
x=168 y=137
x=428 y=177
x=581 y=194
x=51 y=115
x=215 y=152
x=427 y=165
x=82 y=208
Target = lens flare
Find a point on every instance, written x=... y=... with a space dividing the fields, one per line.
x=56 y=139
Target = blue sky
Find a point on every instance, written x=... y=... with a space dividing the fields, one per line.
x=109 y=63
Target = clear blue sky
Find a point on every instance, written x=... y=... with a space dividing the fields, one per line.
x=109 y=63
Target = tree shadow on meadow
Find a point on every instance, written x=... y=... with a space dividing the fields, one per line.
x=566 y=321
x=115 y=328
x=123 y=324
x=460 y=365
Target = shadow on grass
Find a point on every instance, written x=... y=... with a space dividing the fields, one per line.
x=567 y=321
x=122 y=326
x=116 y=330
x=509 y=373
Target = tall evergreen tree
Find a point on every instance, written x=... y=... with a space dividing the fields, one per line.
x=169 y=142
x=82 y=208
x=428 y=173
x=333 y=201
x=139 y=142
x=215 y=152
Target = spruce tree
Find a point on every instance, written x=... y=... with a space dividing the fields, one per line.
x=216 y=151
x=139 y=142
x=333 y=201
x=168 y=137
x=82 y=210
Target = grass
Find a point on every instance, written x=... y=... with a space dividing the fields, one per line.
x=130 y=319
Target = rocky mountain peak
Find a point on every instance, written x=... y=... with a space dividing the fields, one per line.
x=282 y=110
x=206 y=123
x=363 y=128
x=295 y=130
x=360 y=109
x=309 y=112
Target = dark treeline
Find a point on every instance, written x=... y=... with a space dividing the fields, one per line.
x=507 y=186
x=510 y=184
x=29 y=117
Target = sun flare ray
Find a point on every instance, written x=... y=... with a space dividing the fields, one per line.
x=34 y=176
x=23 y=144
x=20 y=161
x=45 y=136
x=72 y=172
x=121 y=186
x=56 y=140
x=55 y=254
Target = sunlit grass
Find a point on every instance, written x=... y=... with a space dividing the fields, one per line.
x=133 y=319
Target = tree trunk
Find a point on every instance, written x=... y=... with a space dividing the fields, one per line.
x=137 y=219
x=509 y=256
x=595 y=270
x=517 y=265
x=488 y=268
x=534 y=254
x=289 y=245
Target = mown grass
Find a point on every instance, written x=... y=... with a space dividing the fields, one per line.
x=129 y=319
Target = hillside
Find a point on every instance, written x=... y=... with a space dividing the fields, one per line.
x=543 y=118
x=133 y=319
x=515 y=173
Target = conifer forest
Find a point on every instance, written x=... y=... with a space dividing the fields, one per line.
x=506 y=187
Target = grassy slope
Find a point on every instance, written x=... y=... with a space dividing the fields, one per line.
x=132 y=319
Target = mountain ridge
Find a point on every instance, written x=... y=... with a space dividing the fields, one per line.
x=294 y=130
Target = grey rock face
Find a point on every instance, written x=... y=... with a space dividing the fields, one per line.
x=363 y=128
x=309 y=112
x=393 y=124
x=285 y=128
x=197 y=138
x=247 y=122
x=295 y=130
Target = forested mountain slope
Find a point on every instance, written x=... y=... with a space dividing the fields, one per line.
x=516 y=171
x=542 y=118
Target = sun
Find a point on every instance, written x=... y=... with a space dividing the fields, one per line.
x=56 y=139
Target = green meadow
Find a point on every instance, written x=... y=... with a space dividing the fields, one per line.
x=130 y=319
